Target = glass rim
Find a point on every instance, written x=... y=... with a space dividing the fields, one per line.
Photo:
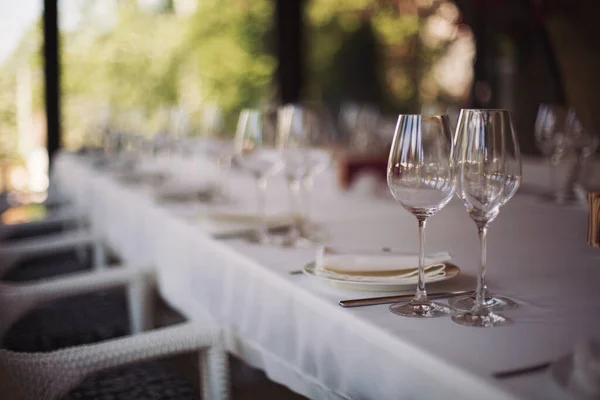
x=423 y=115
x=487 y=109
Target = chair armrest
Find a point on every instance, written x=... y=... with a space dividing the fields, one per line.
x=53 y=374
x=12 y=253
x=62 y=217
x=17 y=299
x=48 y=243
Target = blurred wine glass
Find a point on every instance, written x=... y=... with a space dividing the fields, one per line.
x=256 y=152
x=360 y=123
x=584 y=143
x=218 y=148
x=487 y=159
x=301 y=135
x=421 y=177
x=551 y=139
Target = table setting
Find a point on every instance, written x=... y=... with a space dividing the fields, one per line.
x=338 y=294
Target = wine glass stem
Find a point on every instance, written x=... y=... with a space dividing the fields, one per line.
x=553 y=168
x=481 y=287
x=261 y=191
x=223 y=165
x=294 y=188
x=307 y=184
x=421 y=294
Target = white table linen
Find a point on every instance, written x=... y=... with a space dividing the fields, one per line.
x=291 y=326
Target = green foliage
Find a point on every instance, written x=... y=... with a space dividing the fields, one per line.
x=227 y=41
x=26 y=56
x=151 y=62
x=402 y=60
x=221 y=54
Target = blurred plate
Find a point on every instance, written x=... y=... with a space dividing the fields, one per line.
x=379 y=286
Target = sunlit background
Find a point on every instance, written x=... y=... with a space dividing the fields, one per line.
x=139 y=63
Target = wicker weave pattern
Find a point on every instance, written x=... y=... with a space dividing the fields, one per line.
x=18 y=299
x=12 y=253
x=47 y=376
x=141 y=381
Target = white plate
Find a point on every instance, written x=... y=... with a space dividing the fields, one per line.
x=560 y=371
x=388 y=286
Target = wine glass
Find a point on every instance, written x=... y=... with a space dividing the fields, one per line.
x=256 y=152
x=300 y=132
x=584 y=144
x=294 y=126
x=488 y=174
x=217 y=148
x=321 y=139
x=551 y=140
x=512 y=170
x=421 y=177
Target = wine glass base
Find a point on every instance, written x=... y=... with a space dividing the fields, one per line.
x=420 y=309
x=492 y=303
x=484 y=319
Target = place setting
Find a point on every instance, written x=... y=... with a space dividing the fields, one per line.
x=269 y=144
x=253 y=192
x=482 y=166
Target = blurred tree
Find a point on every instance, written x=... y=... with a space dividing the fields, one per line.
x=228 y=42
x=25 y=57
x=390 y=53
x=133 y=65
x=150 y=59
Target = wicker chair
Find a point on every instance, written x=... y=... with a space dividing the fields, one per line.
x=54 y=374
x=58 y=221
x=13 y=253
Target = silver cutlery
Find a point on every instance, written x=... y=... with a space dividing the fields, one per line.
x=521 y=371
x=393 y=299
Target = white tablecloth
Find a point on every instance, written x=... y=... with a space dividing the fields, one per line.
x=291 y=326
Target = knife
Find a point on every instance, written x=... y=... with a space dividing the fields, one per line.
x=521 y=371
x=393 y=299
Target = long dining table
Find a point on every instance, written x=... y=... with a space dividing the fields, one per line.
x=291 y=326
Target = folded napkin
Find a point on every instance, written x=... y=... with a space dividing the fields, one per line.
x=376 y=266
x=585 y=376
x=221 y=225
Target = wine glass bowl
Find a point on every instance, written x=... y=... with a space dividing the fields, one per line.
x=558 y=139
x=255 y=147
x=582 y=140
x=550 y=128
x=420 y=175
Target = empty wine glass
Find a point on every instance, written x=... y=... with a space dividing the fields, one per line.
x=256 y=152
x=584 y=144
x=302 y=134
x=512 y=168
x=551 y=140
x=320 y=156
x=420 y=175
x=488 y=166
x=294 y=127
x=549 y=128
x=216 y=146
